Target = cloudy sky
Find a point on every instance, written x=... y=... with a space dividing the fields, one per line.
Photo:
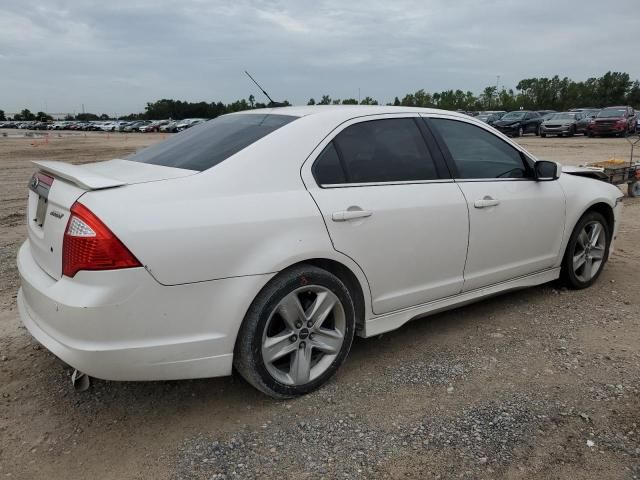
x=114 y=55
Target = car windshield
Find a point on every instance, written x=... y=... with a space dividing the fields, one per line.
x=563 y=116
x=513 y=116
x=611 y=112
x=209 y=143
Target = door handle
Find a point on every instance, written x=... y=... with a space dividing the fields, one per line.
x=346 y=215
x=487 y=201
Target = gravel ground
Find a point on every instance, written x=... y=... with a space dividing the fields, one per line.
x=540 y=383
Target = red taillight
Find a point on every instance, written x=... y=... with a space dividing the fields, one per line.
x=90 y=245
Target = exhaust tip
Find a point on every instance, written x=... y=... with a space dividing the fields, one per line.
x=81 y=381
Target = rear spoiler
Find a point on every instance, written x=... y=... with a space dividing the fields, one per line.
x=78 y=175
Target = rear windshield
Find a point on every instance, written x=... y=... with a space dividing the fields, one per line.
x=207 y=144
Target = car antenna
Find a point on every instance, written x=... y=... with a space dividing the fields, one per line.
x=271 y=104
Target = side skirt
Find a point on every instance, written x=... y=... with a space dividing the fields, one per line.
x=391 y=321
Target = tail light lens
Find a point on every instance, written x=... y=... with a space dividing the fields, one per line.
x=90 y=245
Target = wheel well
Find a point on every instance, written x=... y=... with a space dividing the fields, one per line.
x=607 y=212
x=349 y=279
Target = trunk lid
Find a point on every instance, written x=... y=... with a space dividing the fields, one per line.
x=55 y=187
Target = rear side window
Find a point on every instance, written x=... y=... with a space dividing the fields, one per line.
x=390 y=150
x=478 y=153
x=209 y=143
x=327 y=169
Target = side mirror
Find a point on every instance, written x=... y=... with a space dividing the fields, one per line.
x=546 y=171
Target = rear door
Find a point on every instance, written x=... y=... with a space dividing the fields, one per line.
x=391 y=206
x=516 y=223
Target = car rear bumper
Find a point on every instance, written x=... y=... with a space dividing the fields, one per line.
x=123 y=325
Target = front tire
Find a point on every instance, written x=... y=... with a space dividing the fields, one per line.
x=587 y=251
x=297 y=332
x=633 y=189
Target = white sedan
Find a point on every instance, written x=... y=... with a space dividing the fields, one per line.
x=267 y=239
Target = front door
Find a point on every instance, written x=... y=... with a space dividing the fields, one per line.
x=516 y=224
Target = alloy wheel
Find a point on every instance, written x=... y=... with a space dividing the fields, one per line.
x=303 y=335
x=589 y=251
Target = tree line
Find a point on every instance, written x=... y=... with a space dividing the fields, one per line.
x=555 y=93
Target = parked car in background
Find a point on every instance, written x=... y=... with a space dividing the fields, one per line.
x=565 y=123
x=170 y=127
x=519 y=122
x=278 y=289
x=619 y=121
x=490 y=116
x=135 y=126
x=188 y=123
x=154 y=126
x=546 y=113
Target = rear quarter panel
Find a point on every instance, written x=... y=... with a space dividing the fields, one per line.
x=248 y=215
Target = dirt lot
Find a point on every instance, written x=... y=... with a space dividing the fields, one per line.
x=542 y=383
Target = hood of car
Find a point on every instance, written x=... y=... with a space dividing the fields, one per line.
x=506 y=123
x=609 y=119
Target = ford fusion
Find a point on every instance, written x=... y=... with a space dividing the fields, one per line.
x=267 y=239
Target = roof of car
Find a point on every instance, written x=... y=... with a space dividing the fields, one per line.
x=348 y=110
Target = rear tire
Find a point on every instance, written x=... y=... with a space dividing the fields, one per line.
x=587 y=251
x=543 y=135
x=634 y=189
x=284 y=350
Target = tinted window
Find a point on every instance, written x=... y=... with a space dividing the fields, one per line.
x=327 y=168
x=478 y=153
x=390 y=150
x=209 y=143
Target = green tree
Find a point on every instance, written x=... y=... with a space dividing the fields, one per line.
x=252 y=101
x=311 y=102
x=43 y=117
x=25 y=116
x=2 y=117
x=86 y=117
x=488 y=97
x=368 y=101
x=396 y=102
x=326 y=100
x=633 y=97
x=349 y=101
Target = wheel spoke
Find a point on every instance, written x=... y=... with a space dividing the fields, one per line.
x=277 y=347
x=327 y=341
x=597 y=253
x=578 y=260
x=320 y=308
x=291 y=310
x=583 y=239
x=301 y=365
x=588 y=267
x=595 y=234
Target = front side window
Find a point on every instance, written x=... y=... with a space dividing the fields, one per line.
x=209 y=143
x=375 y=151
x=478 y=153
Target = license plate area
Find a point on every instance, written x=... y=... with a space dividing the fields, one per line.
x=40 y=184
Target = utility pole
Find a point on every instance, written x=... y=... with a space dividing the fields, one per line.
x=358 y=95
x=83 y=109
